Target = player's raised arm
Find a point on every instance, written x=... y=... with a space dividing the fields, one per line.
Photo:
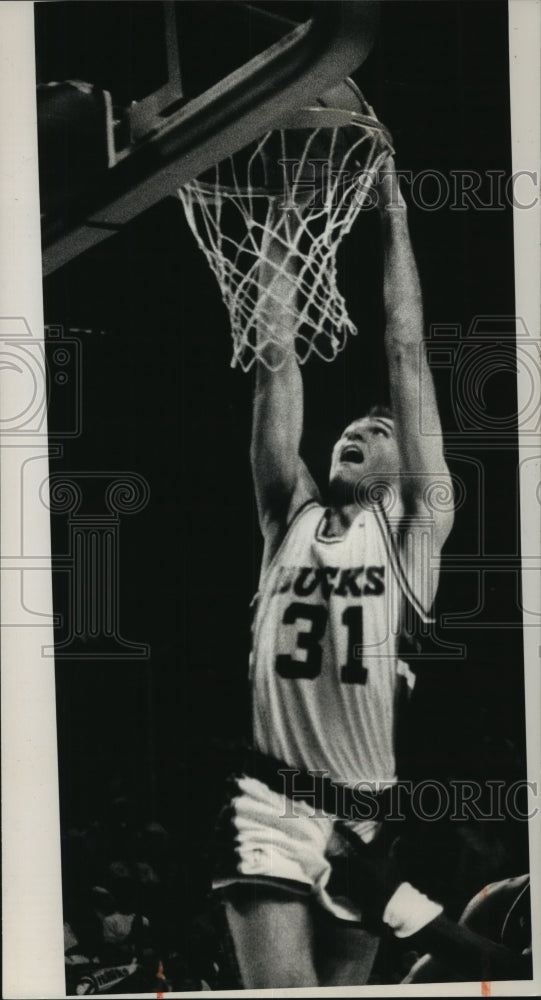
x=422 y=462
x=281 y=479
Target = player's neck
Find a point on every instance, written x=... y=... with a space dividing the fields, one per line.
x=340 y=518
x=346 y=501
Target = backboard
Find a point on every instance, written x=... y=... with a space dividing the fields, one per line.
x=159 y=115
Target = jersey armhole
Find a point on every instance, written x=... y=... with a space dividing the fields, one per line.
x=412 y=602
x=305 y=492
x=299 y=512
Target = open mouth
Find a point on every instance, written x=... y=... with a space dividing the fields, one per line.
x=352 y=453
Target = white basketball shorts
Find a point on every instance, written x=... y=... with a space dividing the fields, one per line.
x=267 y=838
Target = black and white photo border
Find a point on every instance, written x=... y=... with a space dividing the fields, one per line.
x=33 y=961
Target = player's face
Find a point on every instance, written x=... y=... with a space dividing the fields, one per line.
x=366 y=448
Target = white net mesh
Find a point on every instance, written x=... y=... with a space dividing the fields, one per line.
x=242 y=206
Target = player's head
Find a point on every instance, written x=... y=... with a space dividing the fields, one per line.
x=366 y=452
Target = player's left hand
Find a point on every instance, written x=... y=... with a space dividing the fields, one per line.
x=371 y=880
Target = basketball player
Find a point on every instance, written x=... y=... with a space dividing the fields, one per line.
x=335 y=582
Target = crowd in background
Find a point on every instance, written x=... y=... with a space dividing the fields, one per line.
x=139 y=915
x=128 y=924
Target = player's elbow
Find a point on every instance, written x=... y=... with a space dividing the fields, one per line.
x=274 y=480
x=404 y=352
x=443 y=526
x=273 y=466
x=431 y=500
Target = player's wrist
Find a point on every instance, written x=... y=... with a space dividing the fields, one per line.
x=409 y=910
x=390 y=200
x=393 y=211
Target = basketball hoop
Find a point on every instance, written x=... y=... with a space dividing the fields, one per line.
x=301 y=186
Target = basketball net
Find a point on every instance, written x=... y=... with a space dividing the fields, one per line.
x=298 y=189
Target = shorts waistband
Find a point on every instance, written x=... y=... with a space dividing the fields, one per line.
x=318 y=790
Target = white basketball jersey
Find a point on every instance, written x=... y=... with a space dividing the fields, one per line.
x=324 y=666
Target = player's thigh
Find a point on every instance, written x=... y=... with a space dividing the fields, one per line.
x=345 y=952
x=272 y=933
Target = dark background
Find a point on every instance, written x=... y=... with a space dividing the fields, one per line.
x=160 y=399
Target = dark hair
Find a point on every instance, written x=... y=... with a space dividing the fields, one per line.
x=380 y=410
